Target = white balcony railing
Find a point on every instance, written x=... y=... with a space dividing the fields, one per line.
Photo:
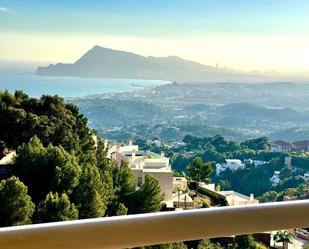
x=146 y=229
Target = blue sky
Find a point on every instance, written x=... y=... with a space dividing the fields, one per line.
x=156 y=17
x=147 y=22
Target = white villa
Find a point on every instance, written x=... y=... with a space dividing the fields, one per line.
x=143 y=163
x=233 y=164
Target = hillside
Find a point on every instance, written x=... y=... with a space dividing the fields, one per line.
x=249 y=110
x=103 y=62
x=110 y=112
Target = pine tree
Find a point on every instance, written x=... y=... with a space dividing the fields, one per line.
x=198 y=170
x=56 y=208
x=124 y=186
x=46 y=169
x=148 y=198
x=91 y=194
x=16 y=207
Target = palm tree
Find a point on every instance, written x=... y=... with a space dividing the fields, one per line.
x=285 y=237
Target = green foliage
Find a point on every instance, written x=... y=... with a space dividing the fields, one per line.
x=91 y=195
x=301 y=160
x=48 y=118
x=124 y=181
x=124 y=186
x=111 y=113
x=285 y=237
x=261 y=143
x=248 y=242
x=249 y=180
x=148 y=198
x=121 y=209
x=56 y=208
x=46 y=169
x=207 y=244
x=16 y=207
x=270 y=196
x=198 y=170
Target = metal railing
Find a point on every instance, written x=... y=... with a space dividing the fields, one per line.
x=157 y=228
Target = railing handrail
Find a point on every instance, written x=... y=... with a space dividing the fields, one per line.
x=157 y=228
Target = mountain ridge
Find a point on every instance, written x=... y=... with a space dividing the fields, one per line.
x=104 y=62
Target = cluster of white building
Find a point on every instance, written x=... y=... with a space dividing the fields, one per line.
x=232 y=164
x=236 y=164
x=146 y=162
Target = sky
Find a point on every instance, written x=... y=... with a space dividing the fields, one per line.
x=245 y=35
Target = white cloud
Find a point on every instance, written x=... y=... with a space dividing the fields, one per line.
x=3 y=9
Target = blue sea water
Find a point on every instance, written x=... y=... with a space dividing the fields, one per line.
x=35 y=86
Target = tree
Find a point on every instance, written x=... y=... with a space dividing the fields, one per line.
x=248 y=242
x=270 y=196
x=261 y=143
x=91 y=195
x=56 y=208
x=121 y=209
x=124 y=186
x=284 y=237
x=123 y=181
x=148 y=198
x=207 y=244
x=16 y=207
x=198 y=170
x=46 y=169
x=49 y=118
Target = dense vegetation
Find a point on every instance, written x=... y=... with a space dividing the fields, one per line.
x=61 y=171
x=111 y=113
x=252 y=179
x=166 y=132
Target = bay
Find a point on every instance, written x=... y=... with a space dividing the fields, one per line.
x=35 y=85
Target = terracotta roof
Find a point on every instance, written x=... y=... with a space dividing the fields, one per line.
x=282 y=143
x=303 y=143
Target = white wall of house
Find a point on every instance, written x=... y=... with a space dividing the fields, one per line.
x=235 y=199
x=141 y=165
x=179 y=183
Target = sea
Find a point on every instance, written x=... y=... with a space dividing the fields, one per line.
x=35 y=86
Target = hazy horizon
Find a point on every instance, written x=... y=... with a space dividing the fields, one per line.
x=257 y=35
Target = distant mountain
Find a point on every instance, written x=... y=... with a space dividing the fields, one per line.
x=108 y=63
x=196 y=108
x=291 y=134
x=249 y=110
